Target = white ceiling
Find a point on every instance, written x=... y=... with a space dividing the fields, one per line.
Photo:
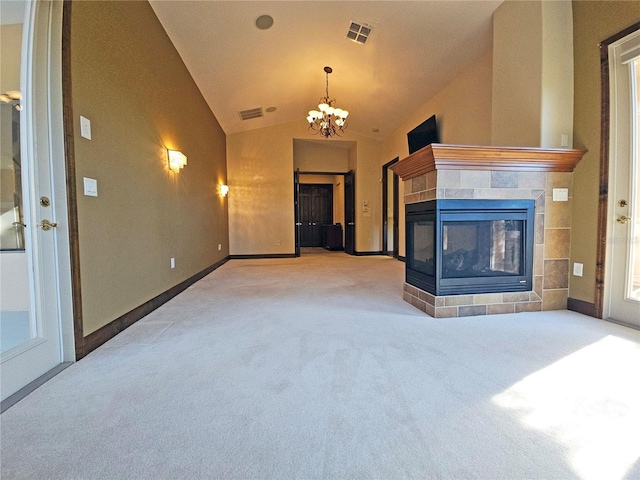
x=415 y=48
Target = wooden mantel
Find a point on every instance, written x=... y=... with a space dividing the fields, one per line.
x=438 y=156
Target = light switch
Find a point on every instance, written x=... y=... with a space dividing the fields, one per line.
x=90 y=187
x=560 y=194
x=85 y=127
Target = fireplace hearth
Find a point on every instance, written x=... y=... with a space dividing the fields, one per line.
x=467 y=246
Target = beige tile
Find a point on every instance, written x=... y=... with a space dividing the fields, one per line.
x=428 y=195
x=558 y=213
x=555 y=299
x=427 y=297
x=475 y=179
x=440 y=193
x=556 y=274
x=472 y=310
x=446 y=312
x=431 y=310
x=419 y=183
x=411 y=290
x=500 y=179
x=488 y=193
x=412 y=198
x=486 y=298
x=537 y=285
x=501 y=308
x=528 y=307
x=416 y=302
x=516 y=194
x=532 y=179
x=458 y=300
x=515 y=297
x=458 y=193
x=448 y=178
x=557 y=243
x=538 y=259
x=539 y=229
x=432 y=179
x=540 y=199
x=440 y=301
x=406 y=297
x=534 y=297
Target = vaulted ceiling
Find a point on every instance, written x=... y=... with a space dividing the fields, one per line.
x=415 y=48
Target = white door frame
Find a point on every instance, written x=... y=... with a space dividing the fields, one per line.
x=622 y=149
x=42 y=141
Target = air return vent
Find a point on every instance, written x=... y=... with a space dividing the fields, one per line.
x=251 y=113
x=359 y=32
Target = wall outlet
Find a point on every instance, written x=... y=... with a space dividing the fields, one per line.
x=85 y=127
x=173 y=262
x=564 y=141
x=219 y=246
x=577 y=269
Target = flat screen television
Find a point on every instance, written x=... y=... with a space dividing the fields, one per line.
x=423 y=135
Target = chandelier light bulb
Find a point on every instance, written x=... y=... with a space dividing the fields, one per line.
x=329 y=120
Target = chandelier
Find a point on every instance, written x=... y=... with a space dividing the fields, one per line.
x=327 y=120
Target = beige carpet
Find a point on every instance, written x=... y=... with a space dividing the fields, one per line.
x=315 y=368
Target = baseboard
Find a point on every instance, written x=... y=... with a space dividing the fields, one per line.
x=581 y=306
x=401 y=258
x=366 y=254
x=111 y=329
x=267 y=255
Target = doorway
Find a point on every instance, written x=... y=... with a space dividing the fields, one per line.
x=622 y=272
x=35 y=307
x=316 y=211
x=390 y=209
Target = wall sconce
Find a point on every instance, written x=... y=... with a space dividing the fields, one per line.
x=177 y=160
x=224 y=189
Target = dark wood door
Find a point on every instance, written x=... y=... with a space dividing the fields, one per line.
x=316 y=210
x=296 y=210
x=350 y=213
x=390 y=210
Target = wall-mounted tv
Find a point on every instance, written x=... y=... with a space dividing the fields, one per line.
x=423 y=135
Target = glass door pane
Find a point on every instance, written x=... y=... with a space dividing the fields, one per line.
x=16 y=323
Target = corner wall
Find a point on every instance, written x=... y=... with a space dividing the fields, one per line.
x=129 y=80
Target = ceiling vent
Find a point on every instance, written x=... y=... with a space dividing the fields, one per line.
x=359 y=32
x=251 y=113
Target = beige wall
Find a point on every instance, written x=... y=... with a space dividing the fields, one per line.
x=463 y=111
x=321 y=156
x=131 y=83
x=594 y=21
x=260 y=167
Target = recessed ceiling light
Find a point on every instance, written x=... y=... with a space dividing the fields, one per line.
x=271 y=109
x=264 y=22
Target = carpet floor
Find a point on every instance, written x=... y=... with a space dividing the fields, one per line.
x=315 y=367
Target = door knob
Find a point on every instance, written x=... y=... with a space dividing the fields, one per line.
x=622 y=203
x=46 y=225
x=622 y=219
x=351 y=223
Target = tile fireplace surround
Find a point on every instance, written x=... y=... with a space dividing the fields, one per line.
x=441 y=171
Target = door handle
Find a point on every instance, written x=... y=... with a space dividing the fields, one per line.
x=313 y=223
x=622 y=219
x=299 y=224
x=46 y=225
x=351 y=223
x=19 y=224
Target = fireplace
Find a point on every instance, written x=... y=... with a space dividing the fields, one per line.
x=468 y=246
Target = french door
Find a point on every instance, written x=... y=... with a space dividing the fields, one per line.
x=35 y=302
x=622 y=297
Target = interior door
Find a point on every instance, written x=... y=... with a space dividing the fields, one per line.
x=349 y=213
x=316 y=210
x=622 y=300
x=30 y=304
x=390 y=210
x=296 y=210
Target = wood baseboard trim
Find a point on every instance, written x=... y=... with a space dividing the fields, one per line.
x=367 y=254
x=111 y=329
x=583 y=307
x=267 y=255
x=401 y=258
